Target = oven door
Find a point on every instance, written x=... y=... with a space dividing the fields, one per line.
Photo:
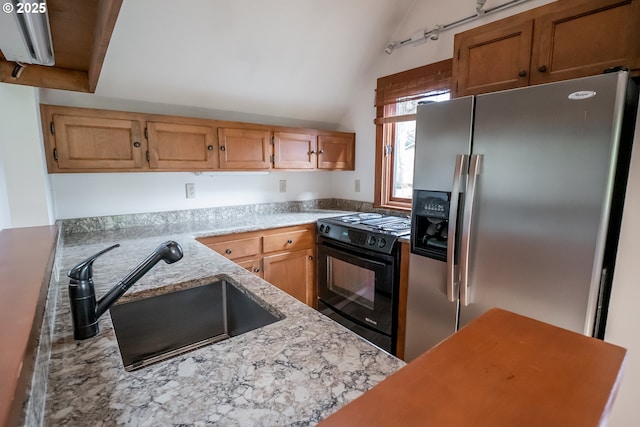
x=358 y=284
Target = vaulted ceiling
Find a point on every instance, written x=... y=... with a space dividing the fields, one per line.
x=288 y=58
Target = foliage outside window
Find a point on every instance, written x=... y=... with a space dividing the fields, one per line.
x=397 y=97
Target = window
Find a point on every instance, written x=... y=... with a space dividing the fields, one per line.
x=397 y=97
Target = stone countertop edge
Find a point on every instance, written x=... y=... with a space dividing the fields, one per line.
x=295 y=371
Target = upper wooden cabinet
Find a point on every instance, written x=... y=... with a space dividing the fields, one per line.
x=244 y=148
x=294 y=150
x=95 y=142
x=181 y=146
x=311 y=151
x=336 y=151
x=585 y=40
x=88 y=140
x=559 y=41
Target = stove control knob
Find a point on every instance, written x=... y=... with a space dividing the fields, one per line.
x=382 y=243
x=321 y=228
x=326 y=229
x=371 y=241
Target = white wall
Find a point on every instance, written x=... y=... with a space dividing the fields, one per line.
x=85 y=195
x=624 y=315
x=361 y=112
x=25 y=199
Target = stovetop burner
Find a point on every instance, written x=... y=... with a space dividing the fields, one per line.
x=373 y=231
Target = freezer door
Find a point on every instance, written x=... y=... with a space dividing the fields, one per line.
x=430 y=316
x=542 y=196
x=443 y=130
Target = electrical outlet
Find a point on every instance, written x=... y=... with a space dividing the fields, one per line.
x=357 y=186
x=190 y=190
x=283 y=185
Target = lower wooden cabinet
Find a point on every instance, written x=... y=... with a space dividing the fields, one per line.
x=284 y=257
x=292 y=272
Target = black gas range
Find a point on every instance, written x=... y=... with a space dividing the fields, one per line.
x=371 y=231
x=358 y=273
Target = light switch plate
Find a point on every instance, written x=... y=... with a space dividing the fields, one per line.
x=283 y=185
x=190 y=190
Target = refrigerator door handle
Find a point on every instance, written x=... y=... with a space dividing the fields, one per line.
x=474 y=171
x=452 y=265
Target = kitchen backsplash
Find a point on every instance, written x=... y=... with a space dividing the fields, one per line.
x=116 y=222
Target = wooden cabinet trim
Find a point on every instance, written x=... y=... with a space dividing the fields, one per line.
x=152 y=160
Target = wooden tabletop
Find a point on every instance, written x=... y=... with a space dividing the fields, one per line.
x=502 y=369
x=26 y=258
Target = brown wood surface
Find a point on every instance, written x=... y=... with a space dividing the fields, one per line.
x=405 y=252
x=182 y=146
x=585 y=40
x=84 y=142
x=294 y=150
x=26 y=259
x=244 y=148
x=288 y=266
x=177 y=143
x=502 y=369
x=336 y=152
x=562 y=40
x=80 y=33
x=291 y=272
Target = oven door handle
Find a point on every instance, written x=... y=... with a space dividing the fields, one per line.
x=453 y=268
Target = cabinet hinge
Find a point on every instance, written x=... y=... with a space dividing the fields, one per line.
x=273 y=140
x=272 y=158
x=147 y=155
x=458 y=54
x=52 y=128
x=55 y=154
x=388 y=149
x=146 y=133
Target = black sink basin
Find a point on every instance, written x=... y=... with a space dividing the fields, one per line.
x=159 y=327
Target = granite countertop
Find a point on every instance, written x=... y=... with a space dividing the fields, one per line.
x=296 y=371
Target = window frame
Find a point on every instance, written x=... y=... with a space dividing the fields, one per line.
x=391 y=90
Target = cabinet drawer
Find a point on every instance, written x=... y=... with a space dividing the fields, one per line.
x=290 y=241
x=233 y=249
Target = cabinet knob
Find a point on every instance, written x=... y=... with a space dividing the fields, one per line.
x=289 y=241
x=312 y=152
x=542 y=68
x=136 y=144
x=222 y=148
x=209 y=147
x=228 y=251
x=320 y=151
x=256 y=270
x=310 y=258
x=522 y=73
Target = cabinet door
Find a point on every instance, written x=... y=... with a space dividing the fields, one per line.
x=244 y=148
x=585 y=40
x=180 y=146
x=336 y=152
x=294 y=150
x=492 y=57
x=252 y=265
x=98 y=143
x=293 y=273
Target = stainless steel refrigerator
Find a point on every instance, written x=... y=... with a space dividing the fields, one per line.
x=517 y=204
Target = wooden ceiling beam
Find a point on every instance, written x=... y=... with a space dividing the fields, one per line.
x=75 y=70
x=106 y=20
